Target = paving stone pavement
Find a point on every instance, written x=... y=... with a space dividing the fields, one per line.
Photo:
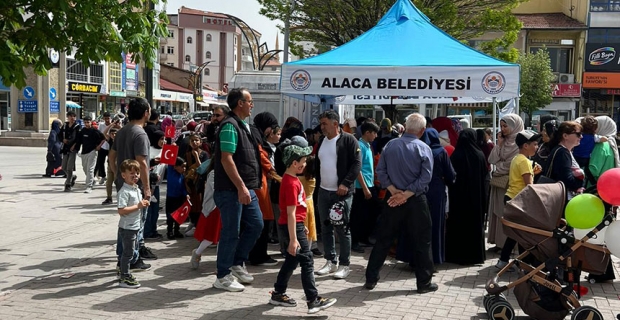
x=57 y=262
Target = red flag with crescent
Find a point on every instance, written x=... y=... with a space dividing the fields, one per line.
x=170 y=130
x=180 y=215
x=169 y=154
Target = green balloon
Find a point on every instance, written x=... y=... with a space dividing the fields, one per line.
x=584 y=211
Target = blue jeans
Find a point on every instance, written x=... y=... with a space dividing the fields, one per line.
x=234 y=248
x=129 y=242
x=150 y=226
x=140 y=237
x=326 y=200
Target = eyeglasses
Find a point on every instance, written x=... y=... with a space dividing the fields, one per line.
x=248 y=101
x=578 y=134
x=215 y=115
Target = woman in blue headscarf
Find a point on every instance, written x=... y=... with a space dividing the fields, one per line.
x=443 y=173
x=53 y=157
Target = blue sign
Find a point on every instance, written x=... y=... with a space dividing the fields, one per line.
x=54 y=107
x=28 y=92
x=53 y=94
x=27 y=106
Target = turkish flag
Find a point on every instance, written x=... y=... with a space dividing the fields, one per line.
x=180 y=215
x=169 y=133
x=169 y=154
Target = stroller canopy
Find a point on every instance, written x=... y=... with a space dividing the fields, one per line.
x=538 y=206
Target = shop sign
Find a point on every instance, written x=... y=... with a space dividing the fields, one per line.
x=610 y=92
x=184 y=97
x=545 y=41
x=117 y=94
x=601 y=80
x=163 y=95
x=566 y=90
x=603 y=57
x=24 y=106
x=268 y=86
x=198 y=97
x=84 y=87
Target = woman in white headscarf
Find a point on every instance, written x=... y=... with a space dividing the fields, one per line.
x=604 y=156
x=501 y=156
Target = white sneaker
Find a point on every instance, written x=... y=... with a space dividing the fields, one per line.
x=343 y=272
x=88 y=190
x=328 y=268
x=195 y=261
x=241 y=273
x=228 y=283
x=189 y=231
x=102 y=181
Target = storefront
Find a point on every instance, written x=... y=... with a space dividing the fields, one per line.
x=86 y=95
x=5 y=107
x=170 y=101
x=601 y=80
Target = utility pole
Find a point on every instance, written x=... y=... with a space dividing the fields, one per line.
x=148 y=73
x=287 y=26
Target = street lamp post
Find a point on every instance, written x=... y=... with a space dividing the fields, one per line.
x=197 y=83
x=287 y=27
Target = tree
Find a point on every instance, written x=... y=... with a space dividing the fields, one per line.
x=331 y=23
x=94 y=30
x=536 y=77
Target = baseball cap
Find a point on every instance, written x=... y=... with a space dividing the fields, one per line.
x=526 y=136
x=294 y=152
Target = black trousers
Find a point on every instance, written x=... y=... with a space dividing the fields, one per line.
x=364 y=215
x=303 y=258
x=416 y=217
x=100 y=165
x=259 y=254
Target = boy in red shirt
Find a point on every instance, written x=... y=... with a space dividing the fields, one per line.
x=291 y=225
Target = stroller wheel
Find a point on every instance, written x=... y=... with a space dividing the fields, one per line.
x=501 y=310
x=488 y=300
x=586 y=313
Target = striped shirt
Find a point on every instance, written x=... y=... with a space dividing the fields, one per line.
x=229 y=137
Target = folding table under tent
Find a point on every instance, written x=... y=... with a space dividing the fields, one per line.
x=403 y=55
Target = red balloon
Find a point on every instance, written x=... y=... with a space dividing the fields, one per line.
x=608 y=186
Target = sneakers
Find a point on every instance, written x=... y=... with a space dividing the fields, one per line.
x=281 y=299
x=320 y=304
x=195 y=261
x=188 y=232
x=317 y=253
x=342 y=272
x=501 y=264
x=67 y=188
x=102 y=181
x=155 y=236
x=430 y=288
x=129 y=281
x=328 y=268
x=107 y=201
x=241 y=273
x=270 y=262
x=88 y=190
x=139 y=266
x=73 y=181
x=228 y=283
x=357 y=248
x=147 y=254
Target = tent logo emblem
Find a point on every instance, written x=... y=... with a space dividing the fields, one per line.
x=340 y=98
x=493 y=82
x=300 y=80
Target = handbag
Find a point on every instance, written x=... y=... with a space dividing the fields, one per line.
x=544 y=178
x=500 y=181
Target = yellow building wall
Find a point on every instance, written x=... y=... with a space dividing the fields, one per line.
x=579 y=36
x=579 y=8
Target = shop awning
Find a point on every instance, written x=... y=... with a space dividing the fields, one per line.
x=202 y=104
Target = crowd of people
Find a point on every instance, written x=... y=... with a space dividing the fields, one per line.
x=422 y=191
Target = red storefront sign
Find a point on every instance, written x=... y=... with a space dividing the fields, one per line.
x=566 y=90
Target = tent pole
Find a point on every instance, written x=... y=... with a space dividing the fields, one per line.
x=494 y=121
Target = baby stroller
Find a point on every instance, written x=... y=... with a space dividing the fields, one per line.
x=544 y=290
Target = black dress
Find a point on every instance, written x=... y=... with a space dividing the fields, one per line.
x=465 y=224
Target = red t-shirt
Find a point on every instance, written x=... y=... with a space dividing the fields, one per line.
x=292 y=194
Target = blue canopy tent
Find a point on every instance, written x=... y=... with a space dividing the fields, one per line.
x=403 y=55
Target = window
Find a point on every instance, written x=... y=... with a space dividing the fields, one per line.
x=187 y=58
x=604 y=5
x=604 y=35
x=561 y=58
x=115 y=76
x=170 y=50
x=208 y=55
x=162 y=50
x=170 y=33
x=170 y=64
x=207 y=71
x=189 y=39
x=208 y=37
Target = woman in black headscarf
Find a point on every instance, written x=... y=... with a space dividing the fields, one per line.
x=53 y=157
x=465 y=224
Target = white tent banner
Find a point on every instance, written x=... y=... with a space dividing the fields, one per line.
x=493 y=81
x=374 y=99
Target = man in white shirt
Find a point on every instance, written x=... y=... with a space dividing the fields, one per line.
x=102 y=149
x=338 y=164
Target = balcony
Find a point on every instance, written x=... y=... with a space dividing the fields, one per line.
x=605 y=14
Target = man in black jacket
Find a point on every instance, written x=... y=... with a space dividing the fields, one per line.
x=337 y=166
x=237 y=173
x=88 y=139
x=68 y=136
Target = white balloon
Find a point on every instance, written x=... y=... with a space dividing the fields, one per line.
x=599 y=237
x=612 y=238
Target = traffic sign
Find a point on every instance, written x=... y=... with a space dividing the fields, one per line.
x=53 y=94
x=28 y=92
x=24 y=106
x=54 y=107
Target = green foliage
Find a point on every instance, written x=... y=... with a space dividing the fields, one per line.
x=536 y=78
x=331 y=23
x=96 y=30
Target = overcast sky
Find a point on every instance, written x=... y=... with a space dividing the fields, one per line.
x=246 y=10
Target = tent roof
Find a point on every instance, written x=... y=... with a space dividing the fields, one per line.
x=403 y=37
